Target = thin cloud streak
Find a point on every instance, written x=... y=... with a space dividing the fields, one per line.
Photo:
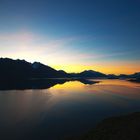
x=32 y=47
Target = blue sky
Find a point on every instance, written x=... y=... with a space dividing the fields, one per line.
x=73 y=34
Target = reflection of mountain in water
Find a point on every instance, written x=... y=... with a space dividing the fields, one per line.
x=20 y=72
x=87 y=81
x=38 y=83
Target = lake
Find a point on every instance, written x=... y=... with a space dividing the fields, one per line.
x=65 y=109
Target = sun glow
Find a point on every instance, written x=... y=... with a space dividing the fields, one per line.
x=108 y=69
x=53 y=52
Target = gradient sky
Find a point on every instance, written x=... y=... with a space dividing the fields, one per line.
x=73 y=35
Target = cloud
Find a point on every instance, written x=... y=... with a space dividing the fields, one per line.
x=32 y=47
x=18 y=36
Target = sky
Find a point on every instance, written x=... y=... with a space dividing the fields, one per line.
x=73 y=35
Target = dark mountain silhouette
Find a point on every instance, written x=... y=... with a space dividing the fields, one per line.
x=43 y=71
x=135 y=75
x=64 y=73
x=112 y=76
x=20 y=69
x=19 y=74
x=132 y=77
x=123 y=76
x=90 y=74
x=15 y=69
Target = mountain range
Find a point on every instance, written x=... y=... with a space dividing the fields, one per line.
x=21 y=69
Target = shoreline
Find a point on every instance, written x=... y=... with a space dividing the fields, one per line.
x=124 y=127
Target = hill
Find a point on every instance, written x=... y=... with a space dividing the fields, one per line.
x=21 y=69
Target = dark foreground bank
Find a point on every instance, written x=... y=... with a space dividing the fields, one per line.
x=116 y=128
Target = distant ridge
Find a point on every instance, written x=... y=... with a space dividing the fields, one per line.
x=21 y=69
x=89 y=74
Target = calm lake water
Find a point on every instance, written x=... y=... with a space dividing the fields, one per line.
x=64 y=110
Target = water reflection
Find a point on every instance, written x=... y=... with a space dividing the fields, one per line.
x=38 y=83
x=65 y=109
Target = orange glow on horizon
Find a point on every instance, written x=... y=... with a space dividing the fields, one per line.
x=108 y=69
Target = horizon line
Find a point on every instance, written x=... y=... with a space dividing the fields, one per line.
x=64 y=70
